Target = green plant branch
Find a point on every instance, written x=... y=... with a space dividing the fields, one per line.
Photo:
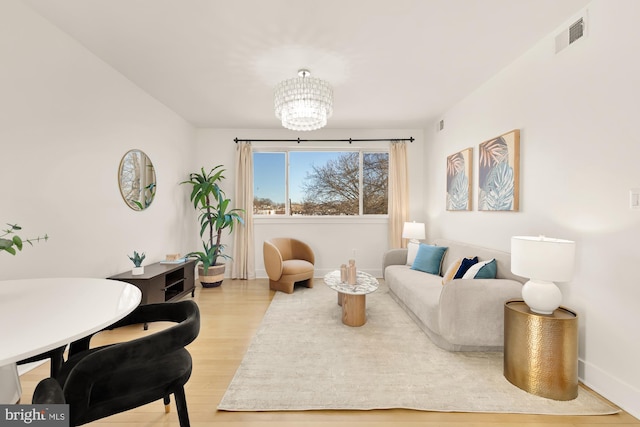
x=16 y=242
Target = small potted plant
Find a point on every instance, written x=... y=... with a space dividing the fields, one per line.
x=137 y=259
x=215 y=216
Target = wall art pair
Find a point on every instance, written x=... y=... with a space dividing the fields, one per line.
x=498 y=175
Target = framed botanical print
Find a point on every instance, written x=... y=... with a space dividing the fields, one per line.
x=459 y=169
x=499 y=173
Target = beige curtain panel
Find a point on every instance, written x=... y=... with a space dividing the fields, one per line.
x=243 y=263
x=398 y=192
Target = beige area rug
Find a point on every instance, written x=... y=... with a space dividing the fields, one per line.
x=304 y=358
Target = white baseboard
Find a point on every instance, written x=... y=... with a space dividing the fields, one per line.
x=617 y=391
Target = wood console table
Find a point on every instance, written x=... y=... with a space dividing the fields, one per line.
x=162 y=282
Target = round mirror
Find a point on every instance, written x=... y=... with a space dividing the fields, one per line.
x=137 y=179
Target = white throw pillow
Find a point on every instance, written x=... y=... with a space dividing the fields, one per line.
x=412 y=251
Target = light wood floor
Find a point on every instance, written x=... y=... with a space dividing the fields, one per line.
x=230 y=316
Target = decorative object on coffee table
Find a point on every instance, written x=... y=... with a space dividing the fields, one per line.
x=351 y=272
x=544 y=260
x=541 y=351
x=352 y=297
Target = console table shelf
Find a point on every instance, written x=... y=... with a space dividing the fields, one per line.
x=162 y=282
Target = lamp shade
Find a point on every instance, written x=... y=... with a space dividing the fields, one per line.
x=542 y=258
x=413 y=230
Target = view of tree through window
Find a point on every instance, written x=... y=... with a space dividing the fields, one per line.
x=320 y=183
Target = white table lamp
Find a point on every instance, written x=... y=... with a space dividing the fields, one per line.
x=544 y=261
x=413 y=231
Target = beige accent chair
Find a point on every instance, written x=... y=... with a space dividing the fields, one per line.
x=288 y=261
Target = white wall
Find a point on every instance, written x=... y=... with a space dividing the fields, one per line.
x=332 y=239
x=577 y=113
x=66 y=119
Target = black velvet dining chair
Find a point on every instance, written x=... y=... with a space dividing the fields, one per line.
x=102 y=381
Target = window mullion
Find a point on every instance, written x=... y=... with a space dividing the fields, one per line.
x=287 y=197
x=360 y=183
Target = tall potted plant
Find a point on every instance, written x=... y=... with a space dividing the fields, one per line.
x=215 y=215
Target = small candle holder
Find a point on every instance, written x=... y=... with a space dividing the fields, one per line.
x=351 y=273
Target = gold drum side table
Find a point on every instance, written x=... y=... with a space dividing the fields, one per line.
x=541 y=351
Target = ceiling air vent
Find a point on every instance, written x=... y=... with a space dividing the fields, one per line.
x=575 y=32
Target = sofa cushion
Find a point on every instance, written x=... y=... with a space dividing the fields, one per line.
x=419 y=292
x=482 y=270
x=429 y=259
x=296 y=266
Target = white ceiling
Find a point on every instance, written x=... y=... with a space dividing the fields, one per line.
x=392 y=63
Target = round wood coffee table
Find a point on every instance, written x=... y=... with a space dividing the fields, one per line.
x=352 y=298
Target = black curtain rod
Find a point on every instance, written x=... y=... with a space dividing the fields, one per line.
x=298 y=140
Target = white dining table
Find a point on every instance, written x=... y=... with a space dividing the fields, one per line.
x=38 y=315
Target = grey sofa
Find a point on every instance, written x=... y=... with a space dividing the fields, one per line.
x=464 y=314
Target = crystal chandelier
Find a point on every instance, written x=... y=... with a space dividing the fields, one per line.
x=304 y=102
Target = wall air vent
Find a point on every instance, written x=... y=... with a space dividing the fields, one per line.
x=575 y=32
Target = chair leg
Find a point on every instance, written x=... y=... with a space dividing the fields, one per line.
x=181 y=404
x=286 y=287
x=167 y=404
x=57 y=359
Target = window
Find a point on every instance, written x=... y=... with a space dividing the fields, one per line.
x=320 y=183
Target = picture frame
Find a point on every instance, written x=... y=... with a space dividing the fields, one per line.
x=499 y=173
x=459 y=179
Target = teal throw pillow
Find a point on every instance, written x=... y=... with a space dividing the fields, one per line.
x=482 y=270
x=488 y=271
x=429 y=259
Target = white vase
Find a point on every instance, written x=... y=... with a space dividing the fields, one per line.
x=136 y=271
